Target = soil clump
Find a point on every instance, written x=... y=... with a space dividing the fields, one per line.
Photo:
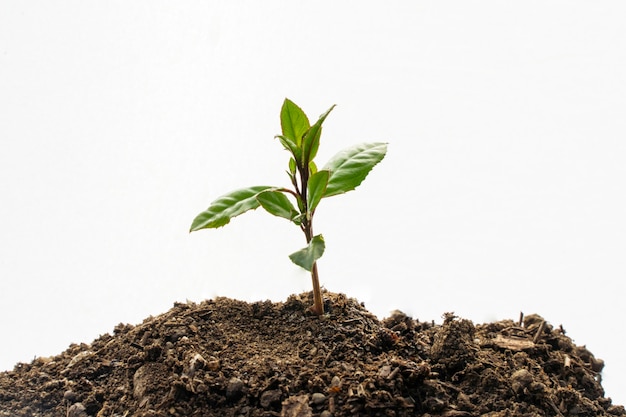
x=225 y=357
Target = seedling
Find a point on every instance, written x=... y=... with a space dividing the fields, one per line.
x=343 y=173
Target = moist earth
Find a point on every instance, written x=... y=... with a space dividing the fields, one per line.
x=224 y=357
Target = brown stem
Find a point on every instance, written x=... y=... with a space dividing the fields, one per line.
x=307 y=227
x=318 y=306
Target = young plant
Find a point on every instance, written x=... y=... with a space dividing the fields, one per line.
x=343 y=173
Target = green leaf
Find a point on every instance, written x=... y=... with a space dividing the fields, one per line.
x=291 y=146
x=298 y=219
x=292 y=166
x=306 y=257
x=228 y=206
x=293 y=121
x=311 y=144
x=349 y=167
x=317 y=186
x=311 y=141
x=277 y=203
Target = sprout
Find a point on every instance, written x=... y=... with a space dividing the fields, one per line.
x=344 y=172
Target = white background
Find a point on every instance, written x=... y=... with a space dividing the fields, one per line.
x=503 y=188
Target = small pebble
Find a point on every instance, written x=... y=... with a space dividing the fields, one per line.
x=70 y=396
x=234 y=389
x=213 y=364
x=318 y=398
x=521 y=379
x=270 y=398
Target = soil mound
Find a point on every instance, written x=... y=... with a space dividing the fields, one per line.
x=230 y=358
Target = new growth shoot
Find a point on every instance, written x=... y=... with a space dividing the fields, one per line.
x=343 y=173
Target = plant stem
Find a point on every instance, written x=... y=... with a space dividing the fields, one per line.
x=307 y=227
x=318 y=306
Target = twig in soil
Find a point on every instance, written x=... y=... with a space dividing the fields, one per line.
x=521 y=318
x=450 y=386
x=514 y=331
x=393 y=373
x=554 y=407
x=329 y=355
x=542 y=326
x=567 y=362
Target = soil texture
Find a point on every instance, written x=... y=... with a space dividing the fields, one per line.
x=225 y=357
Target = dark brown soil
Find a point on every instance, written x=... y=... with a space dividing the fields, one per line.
x=230 y=358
